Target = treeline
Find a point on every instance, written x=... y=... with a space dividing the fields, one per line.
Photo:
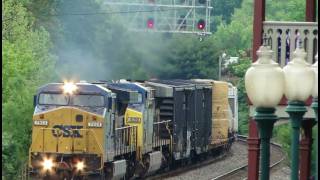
x=27 y=63
x=46 y=41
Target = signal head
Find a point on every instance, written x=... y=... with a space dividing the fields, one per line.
x=201 y=24
x=150 y=23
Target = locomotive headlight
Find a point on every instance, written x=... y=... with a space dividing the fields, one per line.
x=40 y=122
x=69 y=87
x=80 y=165
x=47 y=164
x=95 y=124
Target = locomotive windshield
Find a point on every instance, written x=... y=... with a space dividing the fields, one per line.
x=88 y=100
x=53 y=99
x=83 y=100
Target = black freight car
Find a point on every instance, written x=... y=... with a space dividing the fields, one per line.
x=188 y=105
x=202 y=116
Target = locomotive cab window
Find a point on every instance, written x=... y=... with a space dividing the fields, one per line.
x=139 y=98
x=53 y=99
x=88 y=100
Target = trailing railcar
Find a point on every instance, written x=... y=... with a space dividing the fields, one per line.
x=188 y=105
x=233 y=107
x=122 y=129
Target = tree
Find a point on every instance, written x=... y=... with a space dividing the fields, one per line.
x=187 y=57
x=293 y=10
x=225 y=8
x=27 y=63
x=222 y=12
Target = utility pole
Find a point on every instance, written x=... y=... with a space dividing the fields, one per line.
x=221 y=58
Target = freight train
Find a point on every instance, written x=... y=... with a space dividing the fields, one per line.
x=125 y=129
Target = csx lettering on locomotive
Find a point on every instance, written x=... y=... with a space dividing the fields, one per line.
x=66 y=131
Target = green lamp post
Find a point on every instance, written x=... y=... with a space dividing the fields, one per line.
x=315 y=104
x=264 y=82
x=299 y=80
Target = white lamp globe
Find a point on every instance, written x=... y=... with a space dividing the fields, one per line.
x=299 y=77
x=315 y=85
x=264 y=80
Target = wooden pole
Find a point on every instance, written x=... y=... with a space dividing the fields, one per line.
x=259 y=18
x=305 y=149
x=253 y=139
x=311 y=10
x=306 y=140
x=253 y=151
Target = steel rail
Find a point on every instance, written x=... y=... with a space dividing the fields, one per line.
x=237 y=170
x=180 y=170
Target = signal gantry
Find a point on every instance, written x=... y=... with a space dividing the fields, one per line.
x=166 y=16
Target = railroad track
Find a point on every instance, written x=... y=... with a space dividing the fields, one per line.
x=205 y=170
x=189 y=167
x=242 y=170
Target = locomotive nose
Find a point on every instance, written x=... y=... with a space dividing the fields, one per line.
x=68 y=136
x=63 y=131
x=66 y=130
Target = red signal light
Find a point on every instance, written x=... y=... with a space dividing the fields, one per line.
x=150 y=23
x=201 y=24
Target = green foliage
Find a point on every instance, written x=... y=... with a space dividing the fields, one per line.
x=222 y=12
x=243 y=120
x=282 y=135
x=27 y=63
x=190 y=58
x=278 y=10
x=225 y=8
x=239 y=69
x=236 y=36
x=7 y=150
x=314 y=149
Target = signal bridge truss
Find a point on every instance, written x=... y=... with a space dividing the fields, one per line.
x=167 y=16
